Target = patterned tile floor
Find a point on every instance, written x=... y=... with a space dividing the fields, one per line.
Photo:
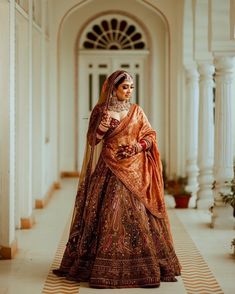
x=205 y=254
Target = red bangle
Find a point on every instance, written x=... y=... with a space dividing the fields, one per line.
x=100 y=132
x=143 y=144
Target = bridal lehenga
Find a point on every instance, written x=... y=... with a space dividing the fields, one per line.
x=120 y=235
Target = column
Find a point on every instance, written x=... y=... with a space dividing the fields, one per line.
x=206 y=137
x=27 y=218
x=192 y=94
x=8 y=243
x=44 y=97
x=24 y=94
x=223 y=167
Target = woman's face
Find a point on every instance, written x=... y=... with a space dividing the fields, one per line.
x=124 y=90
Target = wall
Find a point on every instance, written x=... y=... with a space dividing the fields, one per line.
x=8 y=243
x=28 y=168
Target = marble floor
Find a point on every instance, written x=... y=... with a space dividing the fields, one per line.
x=28 y=273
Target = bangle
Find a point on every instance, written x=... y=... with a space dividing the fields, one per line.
x=138 y=148
x=143 y=144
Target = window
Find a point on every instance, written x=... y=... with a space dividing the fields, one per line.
x=114 y=34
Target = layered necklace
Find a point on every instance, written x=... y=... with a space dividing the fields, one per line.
x=118 y=105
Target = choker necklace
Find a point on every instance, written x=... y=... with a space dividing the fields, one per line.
x=118 y=105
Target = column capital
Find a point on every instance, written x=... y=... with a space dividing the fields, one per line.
x=224 y=63
x=224 y=66
x=206 y=69
x=192 y=74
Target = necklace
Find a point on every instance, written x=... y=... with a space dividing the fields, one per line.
x=118 y=105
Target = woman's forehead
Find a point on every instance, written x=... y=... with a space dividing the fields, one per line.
x=127 y=82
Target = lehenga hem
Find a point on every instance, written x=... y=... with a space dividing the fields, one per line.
x=125 y=283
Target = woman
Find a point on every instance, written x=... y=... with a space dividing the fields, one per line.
x=120 y=235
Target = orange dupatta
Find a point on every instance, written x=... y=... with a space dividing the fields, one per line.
x=141 y=173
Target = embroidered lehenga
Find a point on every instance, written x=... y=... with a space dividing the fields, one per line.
x=120 y=235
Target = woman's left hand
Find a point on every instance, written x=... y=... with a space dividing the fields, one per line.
x=125 y=151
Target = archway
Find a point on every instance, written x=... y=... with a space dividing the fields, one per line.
x=156 y=94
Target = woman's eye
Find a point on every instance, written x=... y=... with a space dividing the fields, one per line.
x=126 y=87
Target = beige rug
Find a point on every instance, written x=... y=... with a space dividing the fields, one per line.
x=59 y=285
x=196 y=275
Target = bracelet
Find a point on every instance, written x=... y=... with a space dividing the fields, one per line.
x=143 y=144
x=138 y=148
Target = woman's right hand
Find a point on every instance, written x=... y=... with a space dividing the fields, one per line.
x=106 y=119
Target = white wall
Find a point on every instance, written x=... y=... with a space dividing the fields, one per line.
x=29 y=153
x=33 y=100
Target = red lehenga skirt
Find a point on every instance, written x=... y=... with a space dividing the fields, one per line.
x=114 y=241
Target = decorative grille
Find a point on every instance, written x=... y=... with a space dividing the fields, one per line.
x=114 y=34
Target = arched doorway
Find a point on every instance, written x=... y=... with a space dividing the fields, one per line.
x=155 y=99
x=108 y=43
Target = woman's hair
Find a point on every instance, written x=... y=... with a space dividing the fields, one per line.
x=119 y=82
x=121 y=78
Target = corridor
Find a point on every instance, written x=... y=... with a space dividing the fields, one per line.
x=54 y=58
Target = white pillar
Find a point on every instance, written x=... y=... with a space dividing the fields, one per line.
x=54 y=117
x=24 y=124
x=192 y=94
x=44 y=97
x=37 y=160
x=8 y=244
x=223 y=167
x=206 y=137
x=27 y=218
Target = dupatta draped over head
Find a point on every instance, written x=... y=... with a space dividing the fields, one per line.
x=141 y=173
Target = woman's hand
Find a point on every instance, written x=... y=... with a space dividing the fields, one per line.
x=103 y=126
x=106 y=119
x=125 y=151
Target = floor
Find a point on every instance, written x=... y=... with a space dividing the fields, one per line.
x=205 y=253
